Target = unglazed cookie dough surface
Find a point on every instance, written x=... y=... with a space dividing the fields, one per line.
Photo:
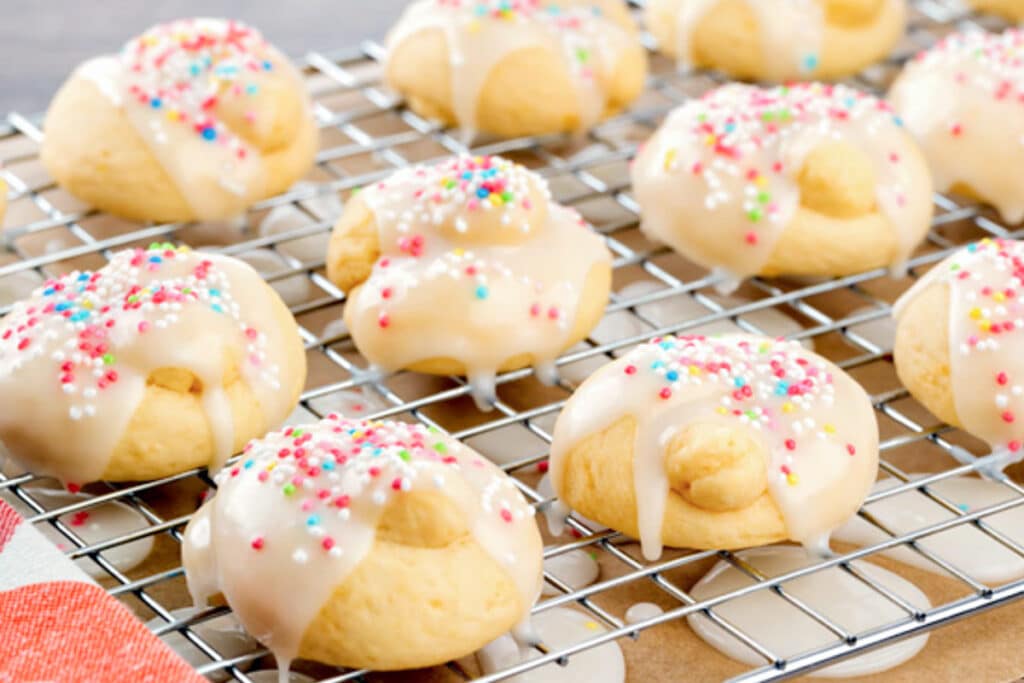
x=778 y=40
x=717 y=442
x=959 y=341
x=194 y=119
x=1011 y=9
x=962 y=100
x=809 y=179
x=467 y=267
x=367 y=544
x=164 y=360
x=517 y=68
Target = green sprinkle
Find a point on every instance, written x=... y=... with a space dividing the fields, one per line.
x=108 y=359
x=440 y=447
x=582 y=54
x=763 y=197
x=755 y=215
x=404 y=455
x=507 y=196
x=288 y=489
x=297 y=433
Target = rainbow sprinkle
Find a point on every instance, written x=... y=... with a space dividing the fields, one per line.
x=187 y=68
x=325 y=469
x=770 y=385
x=81 y=321
x=731 y=126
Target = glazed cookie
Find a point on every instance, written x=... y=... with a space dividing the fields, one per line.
x=960 y=341
x=780 y=41
x=962 y=100
x=517 y=68
x=162 y=361
x=809 y=179
x=1011 y=9
x=717 y=442
x=467 y=267
x=382 y=545
x=195 y=119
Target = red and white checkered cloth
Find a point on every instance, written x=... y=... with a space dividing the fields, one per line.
x=57 y=625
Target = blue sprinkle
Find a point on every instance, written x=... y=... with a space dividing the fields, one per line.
x=964 y=507
x=481 y=292
x=666 y=345
x=62 y=306
x=79 y=316
x=739 y=382
x=972 y=248
x=468 y=175
x=83 y=277
x=312 y=520
x=252 y=89
x=267 y=66
x=898 y=121
x=216 y=308
x=194 y=70
x=328 y=465
x=730 y=127
x=156 y=103
x=781 y=388
x=155 y=259
x=214 y=292
x=248 y=463
x=671 y=375
x=657 y=364
x=49 y=291
x=810 y=62
x=209 y=133
x=482 y=193
x=849 y=102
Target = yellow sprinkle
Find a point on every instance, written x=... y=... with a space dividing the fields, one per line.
x=999 y=296
x=694 y=370
x=709 y=139
x=171 y=115
x=792 y=479
x=722 y=410
x=496 y=199
x=592 y=625
x=975 y=313
x=986 y=240
x=87 y=305
x=271 y=466
x=459 y=251
x=830 y=429
x=985 y=325
x=788 y=407
x=761 y=181
x=473 y=26
x=670 y=158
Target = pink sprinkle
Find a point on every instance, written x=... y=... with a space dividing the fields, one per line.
x=850 y=449
x=263 y=475
x=143 y=327
x=397 y=484
x=750 y=238
x=630 y=369
x=1002 y=378
x=506 y=515
x=665 y=393
x=257 y=543
x=1008 y=417
x=791 y=444
x=327 y=543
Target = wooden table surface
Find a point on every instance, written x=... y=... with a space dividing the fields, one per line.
x=42 y=41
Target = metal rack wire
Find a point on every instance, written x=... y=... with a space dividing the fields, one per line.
x=365 y=135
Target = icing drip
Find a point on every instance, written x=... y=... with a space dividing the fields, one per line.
x=730 y=162
x=816 y=423
x=77 y=355
x=477 y=264
x=986 y=325
x=786 y=631
x=302 y=507
x=179 y=84
x=481 y=33
x=966 y=547
x=791 y=33
x=962 y=100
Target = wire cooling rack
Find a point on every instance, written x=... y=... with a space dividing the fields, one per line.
x=366 y=134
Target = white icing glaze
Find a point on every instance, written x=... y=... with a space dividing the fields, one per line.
x=962 y=100
x=986 y=327
x=816 y=423
x=559 y=628
x=786 y=631
x=642 y=611
x=477 y=264
x=576 y=568
x=93 y=525
x=790 y=31
x=75 y=358
x=175 y=83
x=481 y=33
x=285 y=530
x=966 y=547
x=224 y=633
x=730 y=162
